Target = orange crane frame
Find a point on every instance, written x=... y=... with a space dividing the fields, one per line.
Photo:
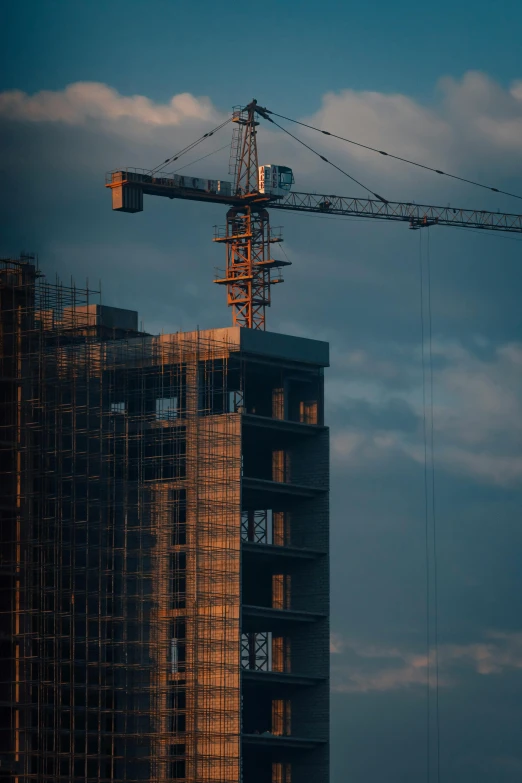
x=251 y=270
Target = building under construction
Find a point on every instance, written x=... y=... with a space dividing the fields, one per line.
x=164 y=522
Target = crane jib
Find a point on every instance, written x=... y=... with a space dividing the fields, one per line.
x=417 y=215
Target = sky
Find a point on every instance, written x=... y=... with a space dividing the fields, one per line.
x=86 y=87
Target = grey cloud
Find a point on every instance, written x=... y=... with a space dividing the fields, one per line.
x=394 y=415
x=477 y=410
x=359 y=667
x=382 y=735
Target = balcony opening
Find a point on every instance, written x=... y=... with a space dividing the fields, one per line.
x=303 y=400
x=281 y=591
x=256 y=526
x=281 y=528
x=280 y=466
x=281 y=654
x=281 y=772
x=282 y=717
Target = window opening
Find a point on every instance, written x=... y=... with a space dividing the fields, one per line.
x=167 y=408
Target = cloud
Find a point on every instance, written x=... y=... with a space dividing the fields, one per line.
x=477 y=410
x=336 y=644
x=370 y=367
x=83 y=101
x=363 y=668
x=498 y=653
x=472 y=125
x=394 y=122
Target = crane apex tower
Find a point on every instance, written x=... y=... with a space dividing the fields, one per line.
x=165 y=609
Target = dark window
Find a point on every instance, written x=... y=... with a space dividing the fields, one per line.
x=177 y=769
x=179 y=517
x=178 y=576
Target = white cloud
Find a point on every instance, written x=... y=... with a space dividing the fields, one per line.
x=474 y=122
x=84 y=101
x=393 y=123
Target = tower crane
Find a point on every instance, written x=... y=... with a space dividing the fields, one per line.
x=251 y=270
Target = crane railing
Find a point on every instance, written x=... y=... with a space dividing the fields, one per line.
x=417 y=215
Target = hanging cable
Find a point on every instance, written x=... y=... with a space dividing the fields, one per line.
x=384 y=201
x=190 y=147
x=395 y=157
x=433 y=516
x=426 y=522
x=432 y=608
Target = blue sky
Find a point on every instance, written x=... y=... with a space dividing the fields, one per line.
x=286 y=53
x=87 y=87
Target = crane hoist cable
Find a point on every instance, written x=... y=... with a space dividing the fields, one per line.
x=426 y=517
x=384 y=201
x=395 y=157
x=433 y=515
x=189 y=147
x=430 y=518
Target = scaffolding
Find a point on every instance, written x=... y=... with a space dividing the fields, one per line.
x=121 y=463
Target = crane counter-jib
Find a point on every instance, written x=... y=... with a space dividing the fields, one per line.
x=128 y=186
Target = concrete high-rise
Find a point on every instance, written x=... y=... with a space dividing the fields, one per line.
x=166 y=555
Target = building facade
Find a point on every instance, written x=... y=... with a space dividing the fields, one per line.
x=165 y=547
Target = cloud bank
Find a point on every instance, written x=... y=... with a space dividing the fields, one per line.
x=473 y=126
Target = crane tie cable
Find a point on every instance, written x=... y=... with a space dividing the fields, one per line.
x=189 y=147
x=384 y=201
x=395 y=157
x=202 y=158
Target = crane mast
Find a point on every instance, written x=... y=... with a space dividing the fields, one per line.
x=248 y=235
